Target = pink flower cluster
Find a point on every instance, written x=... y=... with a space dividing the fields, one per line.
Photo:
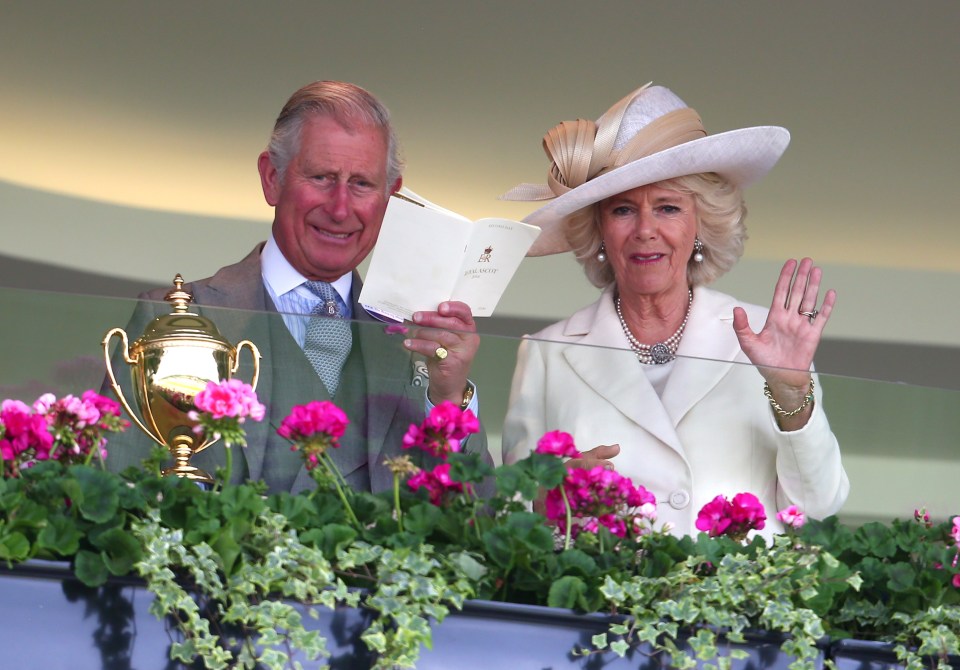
x=442 y=431
x=792 y=517
x=68 y=429
x=24 y=436
x=558 y=443
x=314 y=428
x=601 y=497
x=437 y=483
x=734 y=518
x=230 y=398
x=440 y=434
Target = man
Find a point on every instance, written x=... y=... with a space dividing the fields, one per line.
x=329 y=170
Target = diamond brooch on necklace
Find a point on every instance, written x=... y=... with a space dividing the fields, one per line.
x=661 y=352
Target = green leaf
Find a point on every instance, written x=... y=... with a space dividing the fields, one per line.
x=575 y=561
x=60 y=536
x=228 y=549
x=901 y=577
x=120 y=550
x=516 y=479
x=468 y=467
x=422 y=518
x=90 y=568
x=334 y=537
x=468 y=565
x=14 y=546
x=98 y=499
x=567 y=592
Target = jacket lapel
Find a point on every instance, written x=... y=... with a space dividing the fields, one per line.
x=706 y=353
x=604 y=361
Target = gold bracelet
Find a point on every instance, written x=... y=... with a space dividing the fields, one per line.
x=467 y=397
x=807 y=399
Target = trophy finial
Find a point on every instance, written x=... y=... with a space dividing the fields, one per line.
x=179 y=298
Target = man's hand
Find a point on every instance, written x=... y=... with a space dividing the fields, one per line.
x=448 y=339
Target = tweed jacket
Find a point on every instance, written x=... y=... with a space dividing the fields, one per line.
x=712 y=432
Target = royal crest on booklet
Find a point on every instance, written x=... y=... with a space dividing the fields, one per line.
x=426 y=255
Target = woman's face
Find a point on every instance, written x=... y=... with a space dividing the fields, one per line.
x=648 y=233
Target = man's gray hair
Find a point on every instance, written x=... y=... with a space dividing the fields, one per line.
x=348 y=104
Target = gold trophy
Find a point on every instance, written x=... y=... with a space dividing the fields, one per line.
x=172 y=361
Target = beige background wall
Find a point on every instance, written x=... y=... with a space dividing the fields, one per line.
x=129 y=133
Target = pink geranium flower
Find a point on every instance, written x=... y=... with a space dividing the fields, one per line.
x=437 y=482
x=558 y=443
x=313 y=428
x=443 y=431
x=69 y=430
x=714 y=517
x=600 y=497
x=26 y=436
x=792 y=517
x=221 y=409
x=734 y=518
x=230 y=398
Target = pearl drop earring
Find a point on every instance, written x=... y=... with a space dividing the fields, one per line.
x=697 y=250
x=601 y=256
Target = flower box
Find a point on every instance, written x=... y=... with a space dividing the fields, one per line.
x=868 y=655
x=53 y=621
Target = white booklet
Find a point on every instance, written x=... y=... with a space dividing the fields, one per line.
x=426 y=255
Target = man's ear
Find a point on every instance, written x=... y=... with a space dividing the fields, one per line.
x=396 y=185
x=269 y=179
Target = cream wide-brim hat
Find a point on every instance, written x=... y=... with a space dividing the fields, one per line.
x=741 y=156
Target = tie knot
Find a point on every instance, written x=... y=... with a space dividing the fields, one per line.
x=329 y=300
x=321 y=289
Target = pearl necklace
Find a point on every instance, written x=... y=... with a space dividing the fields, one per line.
x=661 y=352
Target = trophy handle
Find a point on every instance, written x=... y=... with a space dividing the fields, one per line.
x=256 y=360
x=113 y=379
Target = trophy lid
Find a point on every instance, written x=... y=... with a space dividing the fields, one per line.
x=182 y=324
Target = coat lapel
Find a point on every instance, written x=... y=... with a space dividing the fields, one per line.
x=604 y=361
x=706 y=353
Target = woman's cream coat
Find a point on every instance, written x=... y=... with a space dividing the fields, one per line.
x=712 y=432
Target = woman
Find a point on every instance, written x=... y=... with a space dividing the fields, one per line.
x=652 y=207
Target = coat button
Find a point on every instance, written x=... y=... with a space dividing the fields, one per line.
x=679 y=499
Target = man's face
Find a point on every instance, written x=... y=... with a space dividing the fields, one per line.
x=330 y=204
